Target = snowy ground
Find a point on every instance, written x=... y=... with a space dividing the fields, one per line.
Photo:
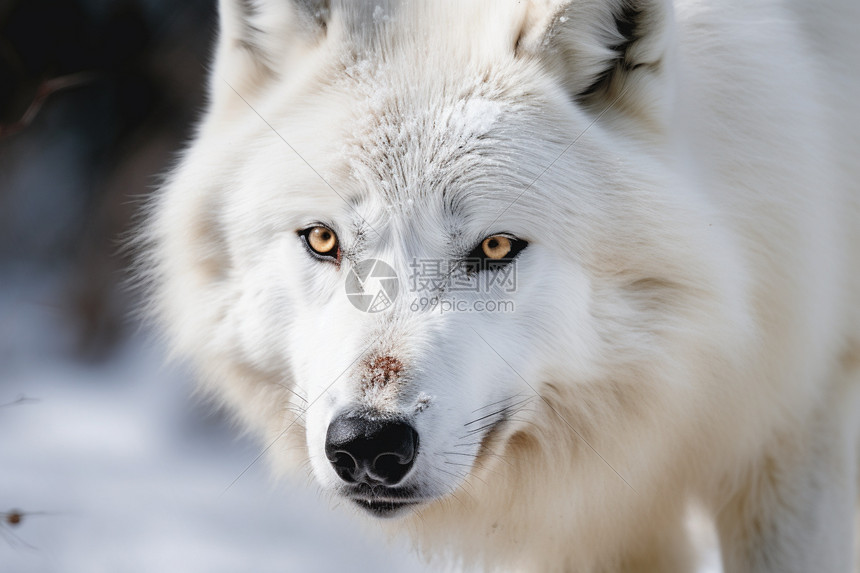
x=130 y=474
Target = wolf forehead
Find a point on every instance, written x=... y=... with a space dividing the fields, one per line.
x=383 y=127
x=423 y=137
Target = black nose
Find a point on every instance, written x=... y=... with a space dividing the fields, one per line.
x=368 y=450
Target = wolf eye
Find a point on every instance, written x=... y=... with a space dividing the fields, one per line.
x=322 y=242
x=495 y=251
x=496 y=247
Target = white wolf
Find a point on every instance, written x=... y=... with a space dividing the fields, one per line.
x=676 y=187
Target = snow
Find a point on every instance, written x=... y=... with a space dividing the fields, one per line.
x=472 y=117
x=379 y=15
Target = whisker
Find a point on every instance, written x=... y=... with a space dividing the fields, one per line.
x=466 y=444
x=459 y=477
x=490 y=415
x=497 y=402
x=291 y=391
x=502 y=410
x=480 y=429
x=477 y=464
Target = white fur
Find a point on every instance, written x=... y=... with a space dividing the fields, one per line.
x=687 y=323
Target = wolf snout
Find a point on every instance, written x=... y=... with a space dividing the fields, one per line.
x=364 y=449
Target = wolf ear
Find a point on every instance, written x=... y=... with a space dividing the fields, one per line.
x=605 y=53
x=260 y=38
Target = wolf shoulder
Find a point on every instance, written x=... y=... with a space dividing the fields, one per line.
x=770 y=101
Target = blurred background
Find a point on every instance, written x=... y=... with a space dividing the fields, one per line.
x=107 y=463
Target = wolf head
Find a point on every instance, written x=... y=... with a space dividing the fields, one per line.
x=447 y=253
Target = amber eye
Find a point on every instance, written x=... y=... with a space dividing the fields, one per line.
x=496 y=247
x=494 y=252
x=321 y=241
